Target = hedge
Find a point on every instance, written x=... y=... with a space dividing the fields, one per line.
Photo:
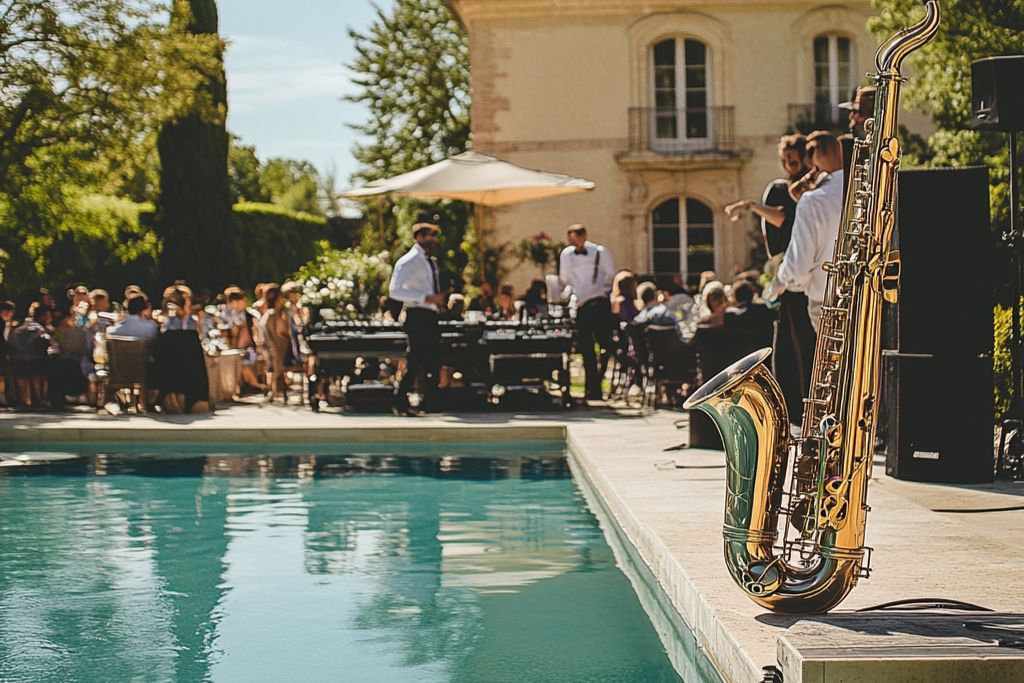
x=110 y=242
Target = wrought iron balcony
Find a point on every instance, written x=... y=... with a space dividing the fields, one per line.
x=681 y=131
x=804 y=118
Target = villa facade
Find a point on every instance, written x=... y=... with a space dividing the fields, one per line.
x=673 y=108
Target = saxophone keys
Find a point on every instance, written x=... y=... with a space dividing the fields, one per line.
x=891 y=151
x=891 y=277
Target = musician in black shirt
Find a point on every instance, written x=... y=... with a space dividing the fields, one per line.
x=794 y=335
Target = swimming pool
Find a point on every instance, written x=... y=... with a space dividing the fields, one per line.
x=322 y=563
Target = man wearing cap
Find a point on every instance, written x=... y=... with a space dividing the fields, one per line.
x=861 y=108
x=416 y=283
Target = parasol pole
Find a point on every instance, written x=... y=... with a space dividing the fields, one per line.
x=479 y=214
x=382 y=203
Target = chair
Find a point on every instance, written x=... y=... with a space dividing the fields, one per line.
x=129 y=366
x=632 y=361
x=717 y=348
x=179 y=367
x=672 y=364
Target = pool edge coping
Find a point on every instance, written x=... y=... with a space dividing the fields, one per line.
x=714 y=639
x=185 y=433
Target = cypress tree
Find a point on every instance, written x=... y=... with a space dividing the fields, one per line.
x=194 y=216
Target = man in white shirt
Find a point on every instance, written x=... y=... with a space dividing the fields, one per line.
x=815 y=228
x=588 y=268
x=416 y=283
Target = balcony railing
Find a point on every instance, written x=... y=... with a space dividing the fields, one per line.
x=804 y=118
x=681 y=131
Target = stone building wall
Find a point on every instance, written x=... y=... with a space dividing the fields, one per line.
x=554 y=84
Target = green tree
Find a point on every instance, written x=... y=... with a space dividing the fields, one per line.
x=194 y=209
x=244 y=173
x=412 y=71
x=940 y=81
x=292 y=183
x=82 y=85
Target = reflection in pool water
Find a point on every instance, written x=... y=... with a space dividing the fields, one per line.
x=318 y=567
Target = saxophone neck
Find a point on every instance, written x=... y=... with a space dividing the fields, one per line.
x=893 y=51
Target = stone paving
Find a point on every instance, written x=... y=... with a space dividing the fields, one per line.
x=930 y=541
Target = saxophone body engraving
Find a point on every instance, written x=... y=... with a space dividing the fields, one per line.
x=794 y=532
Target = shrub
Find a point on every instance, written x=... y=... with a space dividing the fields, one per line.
x=102 y=241
x=1001 y=361
x=110 y=242
x=346 y=280
x=272 y=242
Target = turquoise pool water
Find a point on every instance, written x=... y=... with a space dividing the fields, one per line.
x=317 y=567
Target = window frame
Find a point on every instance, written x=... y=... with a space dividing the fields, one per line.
x=836 y=93
x=682 y=141
x=682 y=249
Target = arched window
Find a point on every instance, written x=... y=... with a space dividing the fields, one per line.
x=683 y=237
x=834 y=74
x=680 y=93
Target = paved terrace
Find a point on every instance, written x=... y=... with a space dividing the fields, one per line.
x=931 y=541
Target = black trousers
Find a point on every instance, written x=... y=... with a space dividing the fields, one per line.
x=424 y=355
x=794 y=352
x=594 y=326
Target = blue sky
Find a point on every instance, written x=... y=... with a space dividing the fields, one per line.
x=286 y=77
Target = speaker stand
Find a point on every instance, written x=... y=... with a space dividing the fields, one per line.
x=1010 y=458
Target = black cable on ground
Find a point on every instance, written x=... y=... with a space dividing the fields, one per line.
x=968 y=511
x=914 y=604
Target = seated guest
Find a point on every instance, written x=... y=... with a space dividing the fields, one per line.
x=68 y=371
x=79 y=297
x=6 y=330
x=456 y=307
x=100 y=315
x=197 y=304
x=706 y=278
x=129 y=292
x=507 y=303
x=623 y=297
x=275 y=328
x=297 y=317
x=136 y=325
x=653 y=313
x=31 y=345
x=536 y=299
x=177 y=310
x=260 y=305
x=679 y=300
x=44 y=297
x=6 y=322
x=715 y=301
x=485 y=301
x=756 y=321
x=240 y=329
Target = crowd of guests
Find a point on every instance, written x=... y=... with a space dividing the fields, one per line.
x=50 y=354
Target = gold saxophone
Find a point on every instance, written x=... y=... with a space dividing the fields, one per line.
x=822 y=514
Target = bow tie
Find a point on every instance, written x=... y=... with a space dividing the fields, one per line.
x=580 y=251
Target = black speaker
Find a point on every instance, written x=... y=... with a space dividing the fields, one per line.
x=946 y=252
x=937 y=410
x=940 y=417
x=997 y=93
